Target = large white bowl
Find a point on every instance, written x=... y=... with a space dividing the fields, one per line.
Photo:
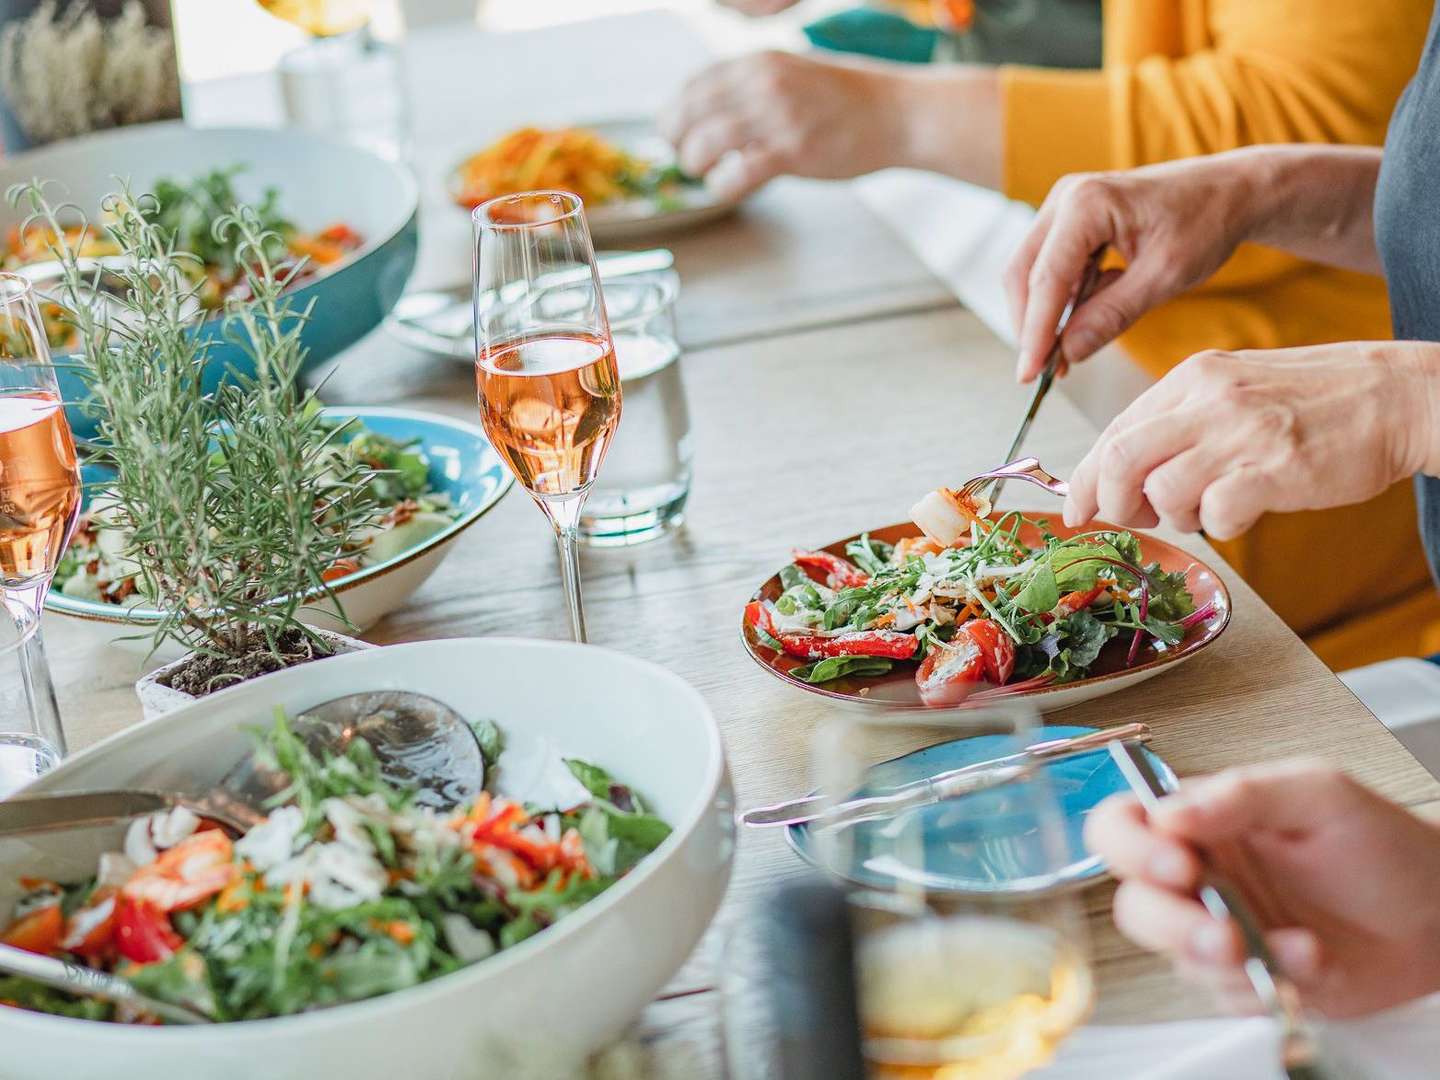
x=530 y=1012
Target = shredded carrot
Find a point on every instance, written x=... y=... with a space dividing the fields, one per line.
x=401 y=931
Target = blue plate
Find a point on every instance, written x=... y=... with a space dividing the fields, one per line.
x=463 y=464
x=987 y=842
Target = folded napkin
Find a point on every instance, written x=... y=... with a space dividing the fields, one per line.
x=1402 y=1044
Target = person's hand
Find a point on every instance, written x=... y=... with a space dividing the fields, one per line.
x=1226 y=437
x=1345 y=883
x=745 y=121
x=1174 y=224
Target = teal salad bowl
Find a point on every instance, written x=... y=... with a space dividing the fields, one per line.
x=318 y=182
x=461 y=465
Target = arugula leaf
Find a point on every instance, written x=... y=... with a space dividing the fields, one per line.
x=1170 y=598
x=832 y=667
x=615 y=842
x=1171 y=633
x=872 y=556
x=181 y=979
x=490 y=738
x=30 y=995
x=1077 y=564
x=1042 y=592
x=596 y=780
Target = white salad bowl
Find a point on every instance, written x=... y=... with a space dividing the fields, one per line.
x=533 y=1011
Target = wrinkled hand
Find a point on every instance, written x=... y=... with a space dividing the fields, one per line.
x=1174 y=224
x=743 y=122
x=1344 y=882
x=1226 y=437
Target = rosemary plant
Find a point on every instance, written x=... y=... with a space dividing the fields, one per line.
x=232 y=514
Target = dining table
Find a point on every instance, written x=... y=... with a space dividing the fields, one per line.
x=831 y=380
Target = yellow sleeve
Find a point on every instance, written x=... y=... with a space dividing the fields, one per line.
x=1269 y=71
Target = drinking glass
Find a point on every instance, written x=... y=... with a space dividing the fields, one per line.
x=970 y=953
x=39 y=504
x=647 y=472
x=25 y=750
x=548 y=384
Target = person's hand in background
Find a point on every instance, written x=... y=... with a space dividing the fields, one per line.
x=1345 y=883
x=1226 y=437
x=743 y=122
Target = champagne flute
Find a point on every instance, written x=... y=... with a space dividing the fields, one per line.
x=39 y=503
x=548 y=384
x=970 y=950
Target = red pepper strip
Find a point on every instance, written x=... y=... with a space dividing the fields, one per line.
x=839 y=573
x=143 y=933
x=887 y=643
x=1075 y=601
x=38 y=932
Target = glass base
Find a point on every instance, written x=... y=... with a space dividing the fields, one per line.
x=635 y=526
x=22 y=759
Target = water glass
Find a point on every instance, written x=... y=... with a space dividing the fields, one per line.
x=642 y=493
x=27 y=745
x=349 y=85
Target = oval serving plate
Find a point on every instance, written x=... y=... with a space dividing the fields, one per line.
x=897 y=690
x=971 y=852
x=626 y=220
x=463 y=464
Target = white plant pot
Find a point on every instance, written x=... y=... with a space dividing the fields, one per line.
x=157 y=699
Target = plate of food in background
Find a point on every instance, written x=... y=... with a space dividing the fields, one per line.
x=623 y=171
x=967 y=610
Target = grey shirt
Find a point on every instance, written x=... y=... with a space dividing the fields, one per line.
x=1407 y=232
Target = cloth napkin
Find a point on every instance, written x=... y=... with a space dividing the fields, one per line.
x=1401 y=1044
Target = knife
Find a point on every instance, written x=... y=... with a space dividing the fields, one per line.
x=946 y=785
x=45 y=813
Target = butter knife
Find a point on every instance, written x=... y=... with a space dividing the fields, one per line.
x=946 y=785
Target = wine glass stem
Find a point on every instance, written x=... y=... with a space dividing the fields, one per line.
x=40 y=691
x=570 y=574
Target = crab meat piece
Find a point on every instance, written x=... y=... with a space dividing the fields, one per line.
x=945 y=516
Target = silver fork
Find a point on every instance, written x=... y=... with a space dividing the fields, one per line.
x=1028 y=469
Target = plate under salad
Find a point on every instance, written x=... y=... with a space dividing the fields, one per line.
x=1016 y=606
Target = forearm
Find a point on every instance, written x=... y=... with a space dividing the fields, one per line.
x=949 y=122
x=1313 y=201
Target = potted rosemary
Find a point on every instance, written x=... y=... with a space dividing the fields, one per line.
x=230 y=505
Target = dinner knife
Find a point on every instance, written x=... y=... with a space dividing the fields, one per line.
x=932 y=789
x=1302 y=1055
x=45 y=813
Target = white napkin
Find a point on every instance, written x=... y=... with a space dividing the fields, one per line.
x=1402 y=1044
x=966 y=235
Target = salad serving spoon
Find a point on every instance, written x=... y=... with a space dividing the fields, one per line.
x=419 y=742
x=83 y=981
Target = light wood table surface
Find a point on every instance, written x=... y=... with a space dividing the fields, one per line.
x=831 y=380
x=796 y=443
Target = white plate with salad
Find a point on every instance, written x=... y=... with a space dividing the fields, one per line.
x=354 y=934
x=435 y=478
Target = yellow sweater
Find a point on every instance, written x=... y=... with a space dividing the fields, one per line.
x=1187 y=77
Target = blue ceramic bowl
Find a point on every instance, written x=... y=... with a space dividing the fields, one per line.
x=985 y=843
x=320 y=181
x=463 y=464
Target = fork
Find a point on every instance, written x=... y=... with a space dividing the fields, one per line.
x=1028 y=469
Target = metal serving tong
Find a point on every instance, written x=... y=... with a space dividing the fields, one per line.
x=1301 y=1052
x=1088 y=280
x=951 y=784
x=87 y=982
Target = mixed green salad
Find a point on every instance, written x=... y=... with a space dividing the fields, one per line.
x=985 y=610
x=348 y=890
x=98 y=564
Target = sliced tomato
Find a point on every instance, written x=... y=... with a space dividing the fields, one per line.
x=757 y=614
x=191 y=872
x=888 y=643
x=996 y=648
x=340 y=568
x=90 y=931
x=39 y=932
x=839 y=573
x=143 y=933
x=950 y=673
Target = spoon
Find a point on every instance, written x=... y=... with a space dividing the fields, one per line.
x=420 y=743
x=87 y=982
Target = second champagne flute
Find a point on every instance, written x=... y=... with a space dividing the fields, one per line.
x=548 y=384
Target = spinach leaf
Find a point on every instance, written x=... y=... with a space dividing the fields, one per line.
x=1170 y=598
x=1171 y=633
x=1042 y=592
x=832 y=667
x=490 y=738
x=1077 y=564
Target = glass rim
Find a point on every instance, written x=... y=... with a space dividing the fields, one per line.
x=15 y=286
x=480 y=218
